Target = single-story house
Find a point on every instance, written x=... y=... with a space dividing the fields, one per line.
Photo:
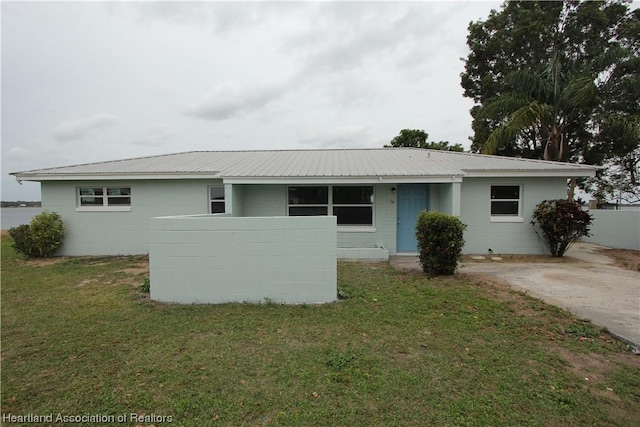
x=375 y=195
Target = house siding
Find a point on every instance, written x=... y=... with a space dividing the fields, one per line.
x=505 y=237
x=112 y=233
x=122 y=233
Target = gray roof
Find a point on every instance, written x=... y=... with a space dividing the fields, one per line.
x=290 y=164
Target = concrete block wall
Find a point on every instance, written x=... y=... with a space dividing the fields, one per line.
x=616 y=229
x=218 y=259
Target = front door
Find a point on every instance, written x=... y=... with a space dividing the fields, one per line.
x=412 y=198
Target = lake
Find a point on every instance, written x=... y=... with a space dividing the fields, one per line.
x=12 y=217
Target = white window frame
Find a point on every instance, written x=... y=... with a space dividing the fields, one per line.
x=105 y=207
x=330 y=205
x=507 y=217
x=222 y=202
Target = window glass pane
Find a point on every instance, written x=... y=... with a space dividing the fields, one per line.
x=216 y=193
x=91 y=191
x=217 y=207
x=505 y=192
x=352 y=195
x=307 y=210
x=308 y=196
x=91 y=201
x=504 y=208
x=120 y=201
x=118 y=191
x=354 y=215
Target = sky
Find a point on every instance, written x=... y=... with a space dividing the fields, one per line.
x=87 y=82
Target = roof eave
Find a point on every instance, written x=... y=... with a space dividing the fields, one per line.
x=566 y=173
x=39 y=177
x=307 y=180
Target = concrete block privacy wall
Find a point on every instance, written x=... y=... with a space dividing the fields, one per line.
x=616 y=229
x=216 y=259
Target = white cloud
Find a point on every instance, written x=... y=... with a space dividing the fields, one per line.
x=348 y=136
x=232 y=98
x=80 y=128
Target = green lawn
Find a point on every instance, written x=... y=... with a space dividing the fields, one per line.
x=78 y=338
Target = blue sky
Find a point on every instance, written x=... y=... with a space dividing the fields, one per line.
x=92 y=81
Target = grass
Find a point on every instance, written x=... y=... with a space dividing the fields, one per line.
x=78 y=337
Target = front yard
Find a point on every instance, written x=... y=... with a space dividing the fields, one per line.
x=79 y=339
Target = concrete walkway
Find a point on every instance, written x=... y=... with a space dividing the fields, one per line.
x=591 y=288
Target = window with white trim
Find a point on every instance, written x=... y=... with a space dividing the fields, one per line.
x=351 y=204
x=506 y=200
x=104 y=196
x=216 y=199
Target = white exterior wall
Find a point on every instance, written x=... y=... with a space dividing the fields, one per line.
x=505 y=237
x=112 y=233
x=264 y=200
x=616 y=229
x=122 y=233
x=218 y=259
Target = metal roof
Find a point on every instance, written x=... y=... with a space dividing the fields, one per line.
x=285 y=164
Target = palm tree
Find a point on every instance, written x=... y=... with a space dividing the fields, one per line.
x=555 y=111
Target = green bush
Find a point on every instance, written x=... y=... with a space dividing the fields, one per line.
x=440 y=242
x=41 y=238
x=562 y=223
x=22 y=241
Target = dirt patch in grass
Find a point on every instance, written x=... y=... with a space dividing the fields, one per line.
x=137 y=270
x=517 y=259
x=45 y=262
x=625 y=258
x=596 y=367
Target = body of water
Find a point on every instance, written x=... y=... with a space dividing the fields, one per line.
x=12 y=217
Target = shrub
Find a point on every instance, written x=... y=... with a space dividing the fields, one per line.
x=22 y=241
x=41 y=238
x=440 y=242
x=562 y=223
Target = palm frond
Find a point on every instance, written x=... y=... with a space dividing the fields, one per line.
x=581 y=91
x=501 y=107
x=530 y=84
x=528 y=116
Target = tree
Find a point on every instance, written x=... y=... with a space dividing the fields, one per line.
x=557 y=81
x=416 y=138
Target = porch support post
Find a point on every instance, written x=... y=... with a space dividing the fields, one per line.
x=455 y=198
x=228 y=199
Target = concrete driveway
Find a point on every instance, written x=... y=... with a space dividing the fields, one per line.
x=591 y=288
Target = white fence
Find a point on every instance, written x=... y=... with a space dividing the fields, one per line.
x=616 y=229
x=215 y=259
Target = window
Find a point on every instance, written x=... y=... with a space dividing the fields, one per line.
x=505 y=200
x=104 y=196
x=352 y=205
x=216 y=199
x=308 y=201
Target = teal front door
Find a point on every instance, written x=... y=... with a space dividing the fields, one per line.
x=411 y=199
